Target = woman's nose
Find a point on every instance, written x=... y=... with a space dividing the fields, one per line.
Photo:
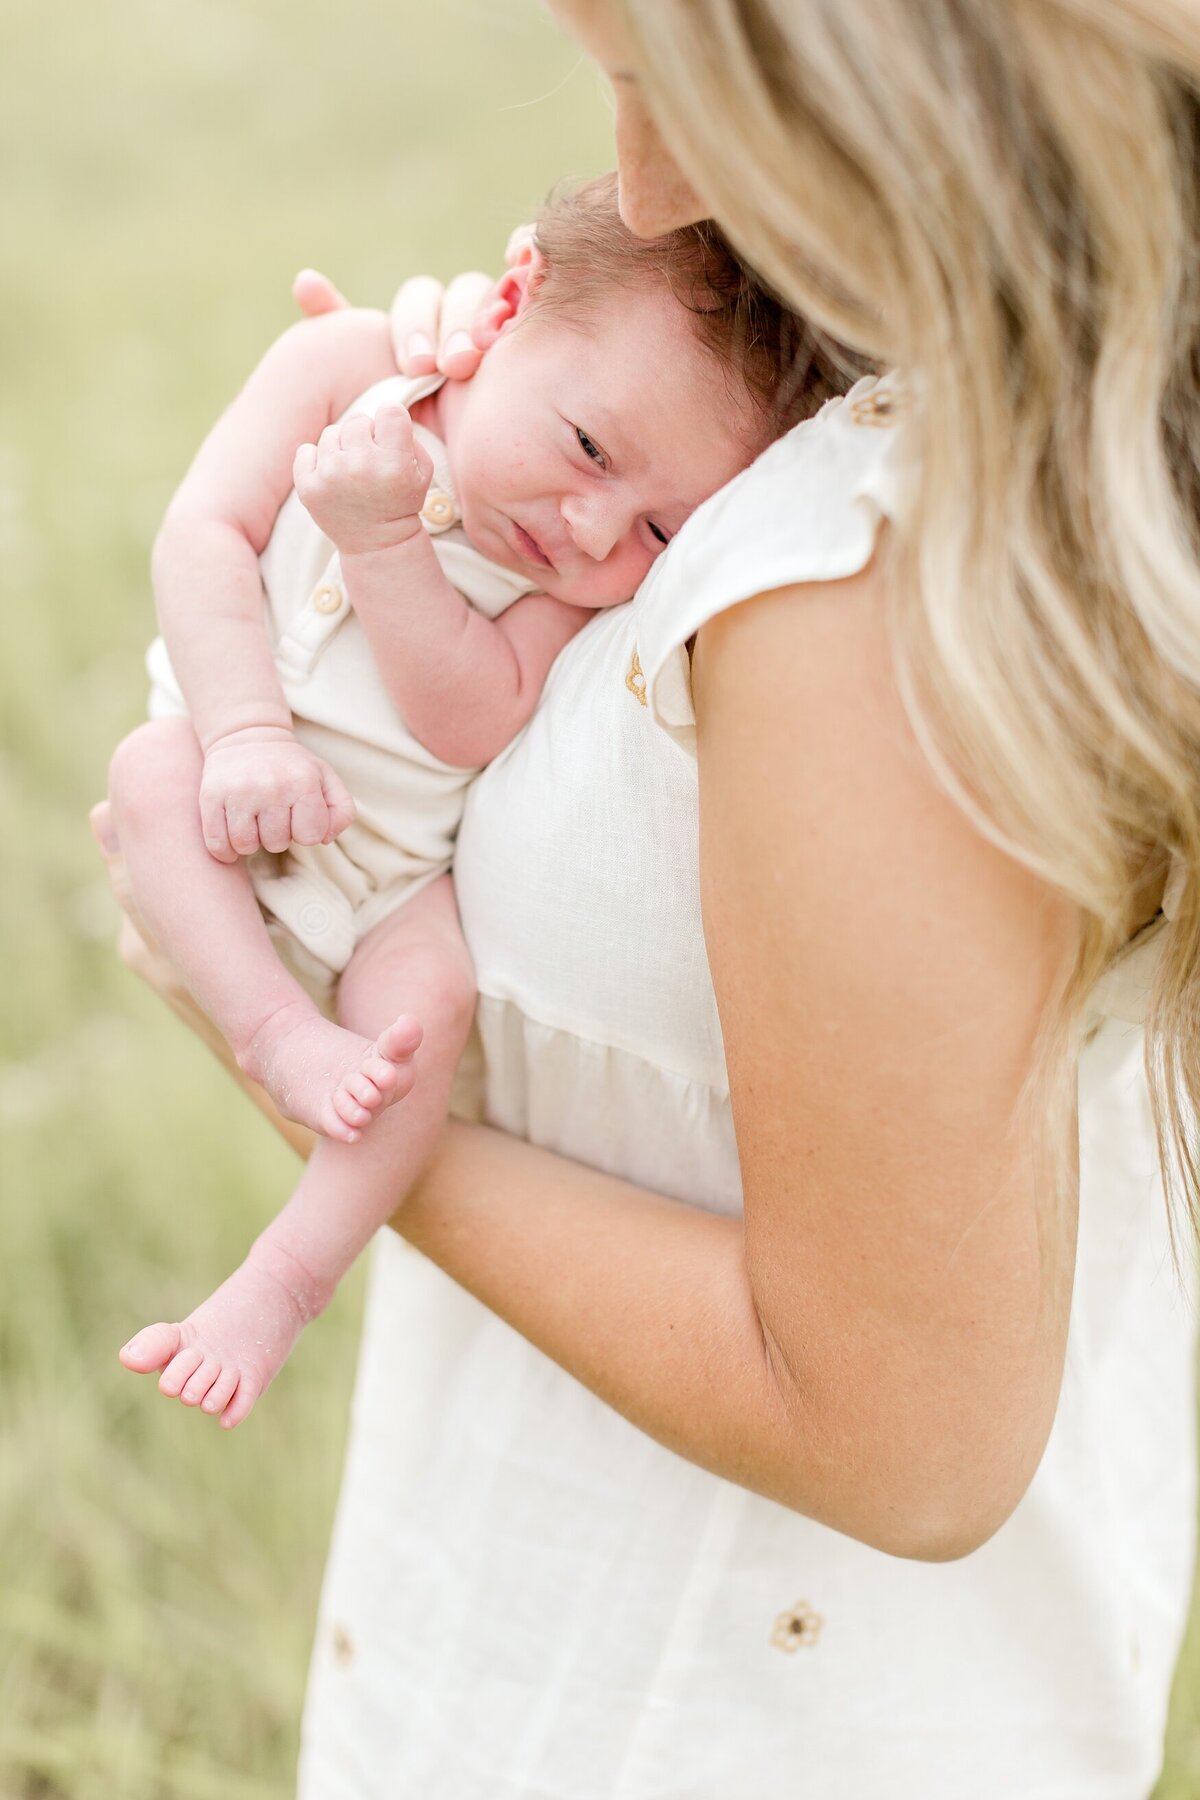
x=596 y=522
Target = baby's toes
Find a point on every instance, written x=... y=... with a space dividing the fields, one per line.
x=196 y=1386
x=383 y=1076
x=240 y=1407
x=347 y=1116
x=401 y=1040
x=222 y=1390
x=180 y=1369
x=363 y=1087
x=152 y=1348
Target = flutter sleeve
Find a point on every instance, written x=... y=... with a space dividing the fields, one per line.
x=807 y=510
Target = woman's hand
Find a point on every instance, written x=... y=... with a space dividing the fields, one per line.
x=436 y=329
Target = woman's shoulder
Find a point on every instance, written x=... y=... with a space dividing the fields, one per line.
x=807 y=510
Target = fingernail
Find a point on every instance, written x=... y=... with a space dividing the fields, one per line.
x=419 y=348
x=130 y=1347
x=458 y=345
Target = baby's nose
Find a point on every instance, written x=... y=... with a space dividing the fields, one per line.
x=596 y=523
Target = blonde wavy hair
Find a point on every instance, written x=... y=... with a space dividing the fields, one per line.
x=1004 y=195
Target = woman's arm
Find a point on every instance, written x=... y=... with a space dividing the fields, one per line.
x=881 y=1346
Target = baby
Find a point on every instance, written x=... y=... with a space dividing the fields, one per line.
x=440 y=546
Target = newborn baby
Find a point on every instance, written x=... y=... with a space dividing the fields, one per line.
x=287 y=818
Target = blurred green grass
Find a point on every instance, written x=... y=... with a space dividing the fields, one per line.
x=169 y=164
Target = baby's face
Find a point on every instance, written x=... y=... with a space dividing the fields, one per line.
x=581 y=446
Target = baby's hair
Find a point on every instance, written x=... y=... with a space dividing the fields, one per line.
x=788 y=368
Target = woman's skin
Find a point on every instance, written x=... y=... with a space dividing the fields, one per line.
x=880 y=1344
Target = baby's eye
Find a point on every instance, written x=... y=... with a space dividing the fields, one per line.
x=657 y=531
x=589 y=448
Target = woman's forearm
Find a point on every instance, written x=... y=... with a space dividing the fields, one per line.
x=643 y=1299
x=648 y=1303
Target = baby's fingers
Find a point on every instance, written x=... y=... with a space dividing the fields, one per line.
x=242 y=826
x=216 y=830
x=339 y=803
x=356 y=431
x=310 y=819
x=304 y=466
x=393 y=430
x=275 y=828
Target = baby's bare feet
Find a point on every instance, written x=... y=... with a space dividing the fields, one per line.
x=223 y=1355
x=331 y=1080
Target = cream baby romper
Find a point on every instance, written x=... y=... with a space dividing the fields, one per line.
x=409 y=802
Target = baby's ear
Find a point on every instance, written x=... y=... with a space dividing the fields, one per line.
x=510 y=296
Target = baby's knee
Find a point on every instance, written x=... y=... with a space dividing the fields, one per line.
x=452 y=994
x=153 y=767
x=434 y=981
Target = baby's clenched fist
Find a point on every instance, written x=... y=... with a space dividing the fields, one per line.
x=262 y=790
x=365 y=480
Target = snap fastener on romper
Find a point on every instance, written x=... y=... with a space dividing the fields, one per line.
x=439 y=509
x=327 y=599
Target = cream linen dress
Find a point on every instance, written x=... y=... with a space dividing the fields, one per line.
x=527 y=1599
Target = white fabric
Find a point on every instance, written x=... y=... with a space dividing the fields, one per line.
x=526 y=1598
x=409 y=802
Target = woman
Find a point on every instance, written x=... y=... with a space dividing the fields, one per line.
x=887 y=1487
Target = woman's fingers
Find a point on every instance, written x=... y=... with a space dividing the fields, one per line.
x=519 y=248
x=431 y=325
x=314 y=294
x=458 y=354
x=415 y=319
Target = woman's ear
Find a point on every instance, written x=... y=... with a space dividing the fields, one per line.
x=510 y=297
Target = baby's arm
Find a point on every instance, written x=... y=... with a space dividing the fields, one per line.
x=463 y=684
x=260 y=784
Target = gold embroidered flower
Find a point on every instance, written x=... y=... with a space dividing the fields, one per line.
x=635 y=681
x=882 y=406
x=797 y=1628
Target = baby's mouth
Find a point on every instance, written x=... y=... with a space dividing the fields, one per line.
x=529 y=547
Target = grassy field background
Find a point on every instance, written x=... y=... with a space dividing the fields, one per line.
x=168 y=165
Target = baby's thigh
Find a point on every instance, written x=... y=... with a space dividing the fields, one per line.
x=157 y=764
x=414 y=961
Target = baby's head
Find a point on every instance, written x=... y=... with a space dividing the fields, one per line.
x=633 y=379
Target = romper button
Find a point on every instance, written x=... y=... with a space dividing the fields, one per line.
x=439 y=509
x=327 y=599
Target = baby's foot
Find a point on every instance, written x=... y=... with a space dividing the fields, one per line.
x=222 y=1356
x=331 y=1080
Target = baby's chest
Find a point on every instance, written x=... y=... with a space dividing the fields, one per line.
x=577 y=868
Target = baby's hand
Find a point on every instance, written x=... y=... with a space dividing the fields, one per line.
x=262 y=790
x=365 y=481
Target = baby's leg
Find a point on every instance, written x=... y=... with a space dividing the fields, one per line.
x=225 y=1353
x=205 y=917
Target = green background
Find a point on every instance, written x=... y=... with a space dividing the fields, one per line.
x=168 y=165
